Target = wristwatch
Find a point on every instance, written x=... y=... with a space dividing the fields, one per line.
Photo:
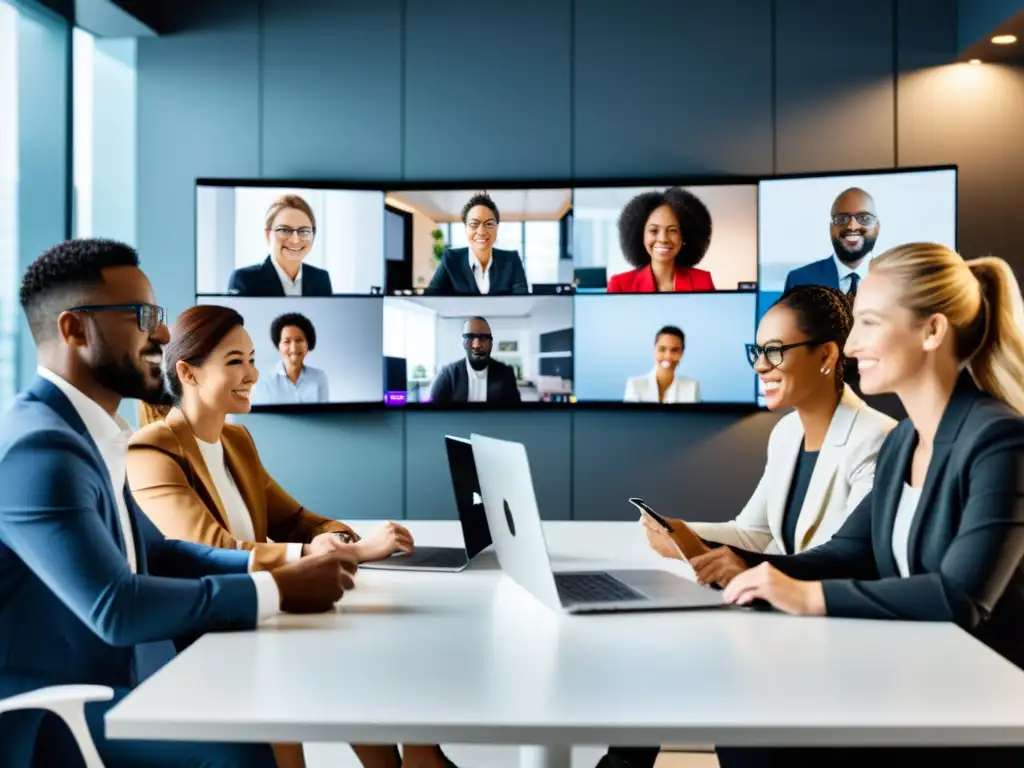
x=344 y=536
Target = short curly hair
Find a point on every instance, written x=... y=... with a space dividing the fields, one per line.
x=296 y=320
x=64 y=276
x=671 y=330
x=823 y=314
x=694 y=221
x=480 y=199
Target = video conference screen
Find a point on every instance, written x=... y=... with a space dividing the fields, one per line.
x=455 y=296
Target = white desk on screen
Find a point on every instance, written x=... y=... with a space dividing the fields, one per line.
x=471 y=658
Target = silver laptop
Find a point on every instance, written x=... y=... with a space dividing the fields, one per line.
x=475 y=534
x=515 y=526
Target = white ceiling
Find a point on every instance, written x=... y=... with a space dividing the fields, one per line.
x=513 y=204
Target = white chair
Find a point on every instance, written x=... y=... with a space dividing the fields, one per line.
x=68 y=703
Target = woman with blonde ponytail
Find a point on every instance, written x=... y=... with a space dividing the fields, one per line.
x=941 y=535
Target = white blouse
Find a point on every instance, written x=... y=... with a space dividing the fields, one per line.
x=901 y=527
x=239 y=518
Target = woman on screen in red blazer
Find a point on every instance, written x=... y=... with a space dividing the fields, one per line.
x=664 y=235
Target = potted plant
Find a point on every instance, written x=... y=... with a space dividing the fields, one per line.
x=439 y=244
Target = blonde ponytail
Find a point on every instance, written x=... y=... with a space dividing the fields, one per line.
x=982 y=301
x=149 y=414
x=997 y=365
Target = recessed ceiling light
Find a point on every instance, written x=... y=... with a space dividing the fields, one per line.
x=1004 y=39
x=974 y=61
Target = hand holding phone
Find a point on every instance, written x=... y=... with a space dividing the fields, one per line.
x=642 y=506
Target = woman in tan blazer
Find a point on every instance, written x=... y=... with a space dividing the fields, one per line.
x=200 y=479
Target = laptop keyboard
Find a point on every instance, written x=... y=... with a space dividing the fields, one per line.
x=593 y=588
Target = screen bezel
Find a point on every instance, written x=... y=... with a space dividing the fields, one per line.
x=683 y=180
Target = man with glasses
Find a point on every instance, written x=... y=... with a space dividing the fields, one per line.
x=478 y=378
x=85 y=577
x=853 y=227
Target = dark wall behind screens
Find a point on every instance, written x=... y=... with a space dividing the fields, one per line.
x=387 y=75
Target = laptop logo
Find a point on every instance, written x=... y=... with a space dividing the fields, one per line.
x=509 y=520
x=477 y=501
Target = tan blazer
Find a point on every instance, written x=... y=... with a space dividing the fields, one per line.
x=169 y=480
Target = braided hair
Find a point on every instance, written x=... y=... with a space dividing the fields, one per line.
x=824 y=314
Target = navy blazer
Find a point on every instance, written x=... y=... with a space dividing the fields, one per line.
x=71 y=610
x=822 y=272
x=454 y=277
x=966 y=543
x=262 y=280
x=452 y=384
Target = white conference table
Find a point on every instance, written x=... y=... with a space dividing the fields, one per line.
x=472 y=658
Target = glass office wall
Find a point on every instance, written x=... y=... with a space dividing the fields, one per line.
x=8 y=201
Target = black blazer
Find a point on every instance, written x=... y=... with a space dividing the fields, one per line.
x=454 y=276
x=966 y=543
x=452 y=384
x=262 y=280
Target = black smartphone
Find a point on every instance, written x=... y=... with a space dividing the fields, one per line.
x=642 y=506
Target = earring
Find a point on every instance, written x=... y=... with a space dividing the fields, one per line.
x=826 y=371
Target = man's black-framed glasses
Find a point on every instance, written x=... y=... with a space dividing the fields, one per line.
x=149 y=316
x=864 y=219
x=469 y=338
x=774 y=353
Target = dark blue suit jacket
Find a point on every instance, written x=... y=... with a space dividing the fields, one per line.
x=454 y=277
x=822 y=272
x=71 y=611
x=262 y=280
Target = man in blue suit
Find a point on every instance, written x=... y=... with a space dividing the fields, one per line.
x=84 y=575
x=853 y=227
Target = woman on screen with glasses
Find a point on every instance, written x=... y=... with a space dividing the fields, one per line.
x=664 y=236
x=480 y=269
x=290 y=227
x=200 y=479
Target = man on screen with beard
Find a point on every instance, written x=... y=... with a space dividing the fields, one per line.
x=854 y=231
x=479 y=378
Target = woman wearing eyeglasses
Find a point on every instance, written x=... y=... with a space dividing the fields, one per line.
x=821 y=457
x=290 y=227
x=480 y=269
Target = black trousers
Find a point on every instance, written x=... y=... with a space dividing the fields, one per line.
x=795 y=757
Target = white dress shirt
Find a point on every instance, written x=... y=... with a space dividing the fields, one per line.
x=111 y=435
x=481 y=274
x=846 y=272
x=477 y=384
x=276 y=388
x=239 y=518
x=905 y=512
x=291 y=287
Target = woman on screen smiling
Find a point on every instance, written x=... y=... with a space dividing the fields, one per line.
x=664 y=235
x=200 y=479
x=292 y=381
x=662 y=385
x=290 y=227
x=481 y=268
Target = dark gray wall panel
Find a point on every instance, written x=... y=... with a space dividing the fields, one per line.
x=332 y=89
x=678 y=87
x=347 y=466
x=546 y=436
x=198 y=103
x=834 y=95
x=696 y=466
x=487 y=92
